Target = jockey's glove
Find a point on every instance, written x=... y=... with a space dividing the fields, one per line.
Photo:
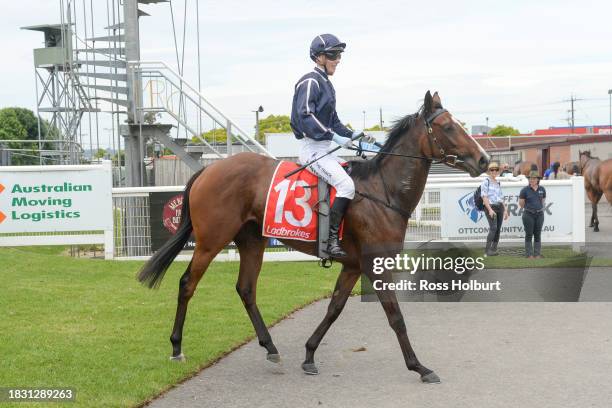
x=366 y=138
x=342 y=141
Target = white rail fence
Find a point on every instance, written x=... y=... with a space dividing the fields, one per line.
x=443 y=214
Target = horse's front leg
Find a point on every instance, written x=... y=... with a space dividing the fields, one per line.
x=389 y=303
x=344 y=285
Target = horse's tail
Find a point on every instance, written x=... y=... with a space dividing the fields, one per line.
x=152 y=272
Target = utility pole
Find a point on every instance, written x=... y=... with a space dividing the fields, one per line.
x=381 y=121
x=610 y=123
x=363 y=120
x=572 y=110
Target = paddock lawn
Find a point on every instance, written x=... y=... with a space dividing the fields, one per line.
x=88 y=324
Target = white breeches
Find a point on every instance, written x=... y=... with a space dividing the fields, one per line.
x=328 y=168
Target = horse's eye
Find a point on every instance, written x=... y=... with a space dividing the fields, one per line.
x=448 y=128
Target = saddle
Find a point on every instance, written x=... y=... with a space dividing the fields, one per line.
x=298 y=207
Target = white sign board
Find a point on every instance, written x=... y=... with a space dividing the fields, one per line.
x=55 y=198
x=461 y=220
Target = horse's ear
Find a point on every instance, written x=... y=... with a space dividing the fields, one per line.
x=428 y=104
x=436 y=99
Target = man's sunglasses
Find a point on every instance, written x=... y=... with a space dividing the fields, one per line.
x=494 y=169
x=332 y=56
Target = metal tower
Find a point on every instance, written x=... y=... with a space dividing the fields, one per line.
x=103 y=74
x=60 y=95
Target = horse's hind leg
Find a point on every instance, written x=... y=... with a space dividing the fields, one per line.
x=211 y=237
x=251 y=246
x=198 y=265
x=345 y=283
x=594 y=197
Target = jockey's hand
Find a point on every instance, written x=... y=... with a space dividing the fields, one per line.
x=368 y=139
x=342 y=141
x=364 y=137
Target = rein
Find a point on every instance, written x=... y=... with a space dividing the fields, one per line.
x=449 y=159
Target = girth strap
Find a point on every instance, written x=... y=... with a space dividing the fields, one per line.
x=388 y=205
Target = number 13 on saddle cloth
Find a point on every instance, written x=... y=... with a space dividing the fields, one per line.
x=291 y=204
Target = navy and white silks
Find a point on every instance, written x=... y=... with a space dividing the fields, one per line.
x=314 y=121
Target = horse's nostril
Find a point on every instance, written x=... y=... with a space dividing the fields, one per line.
x=483 y=162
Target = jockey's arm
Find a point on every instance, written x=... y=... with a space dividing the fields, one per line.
x=339 y=128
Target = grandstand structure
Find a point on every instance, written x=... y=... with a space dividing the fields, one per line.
x=89 y=75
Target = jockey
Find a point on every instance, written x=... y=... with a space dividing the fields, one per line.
x=315 y=124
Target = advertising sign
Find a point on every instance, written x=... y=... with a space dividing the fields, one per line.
x=461 y=219
x=165 y=217
x=55 y=198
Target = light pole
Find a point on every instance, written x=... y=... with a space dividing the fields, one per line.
x=363 y=120
x=610 y=122
x=257 y=112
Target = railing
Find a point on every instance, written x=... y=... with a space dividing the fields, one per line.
x=132 y=235
x=165 y=91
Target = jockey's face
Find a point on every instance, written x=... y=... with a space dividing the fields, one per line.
x=327 y=64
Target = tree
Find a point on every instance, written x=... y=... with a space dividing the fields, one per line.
x=503 y=130
x=271 y=124
x=212 y=136
x=376 y=128
x=100 y=154
x=11 y=128
x=150 y=118
x=21 y=124
x=274 y=124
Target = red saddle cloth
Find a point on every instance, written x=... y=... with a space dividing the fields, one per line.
x=291 y=204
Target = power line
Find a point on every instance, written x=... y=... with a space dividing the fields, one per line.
x=572 y=110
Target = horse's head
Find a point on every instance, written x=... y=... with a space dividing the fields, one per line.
x=583 y=157
x=449 y=141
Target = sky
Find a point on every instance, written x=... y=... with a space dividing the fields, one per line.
x=516 y=63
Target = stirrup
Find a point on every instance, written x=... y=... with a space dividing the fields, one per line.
x=325 y=263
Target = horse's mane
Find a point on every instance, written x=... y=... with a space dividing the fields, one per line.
x=364 y=168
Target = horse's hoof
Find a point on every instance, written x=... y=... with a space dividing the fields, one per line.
x=180 y=358
x=310 y=368
x=273 y=358
x=431 y=378
x=596 y=229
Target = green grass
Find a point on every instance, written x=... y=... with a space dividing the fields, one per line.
x=88 y=324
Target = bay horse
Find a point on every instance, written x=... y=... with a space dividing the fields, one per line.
x=524 y=167
x=226 y=200
x=597 y=182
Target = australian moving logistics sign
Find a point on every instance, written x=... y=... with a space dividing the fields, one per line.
x=55 y=198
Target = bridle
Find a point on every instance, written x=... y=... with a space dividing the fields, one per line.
x=449 y=159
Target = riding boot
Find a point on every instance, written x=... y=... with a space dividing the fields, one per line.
x=335 y=219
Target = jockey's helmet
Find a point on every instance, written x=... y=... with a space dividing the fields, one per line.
x=325 y=43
